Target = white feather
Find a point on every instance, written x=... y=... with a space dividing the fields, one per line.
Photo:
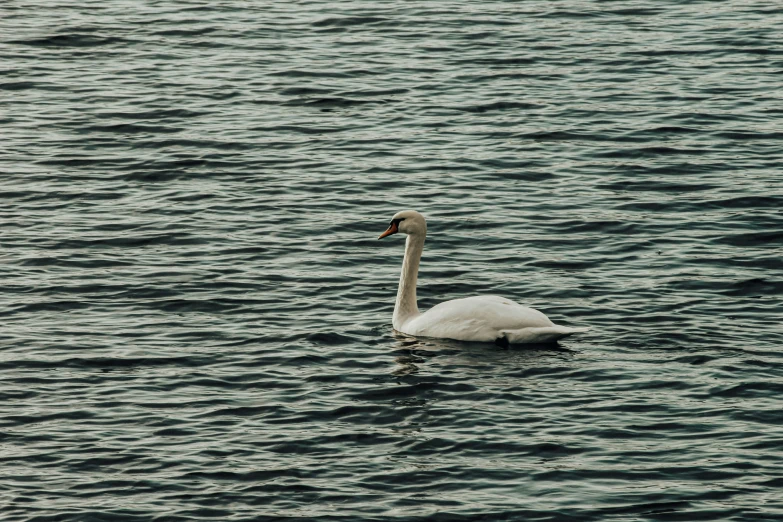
x=482 y=318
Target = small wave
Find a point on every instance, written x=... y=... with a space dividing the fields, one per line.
x=17 y=86
x=500 y=106
x=73 y=40
x=185 y=32
x=350 y=21
x=329 y=102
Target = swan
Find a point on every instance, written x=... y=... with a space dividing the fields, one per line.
x=484 y=318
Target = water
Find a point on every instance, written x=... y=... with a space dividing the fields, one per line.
x=196 y=313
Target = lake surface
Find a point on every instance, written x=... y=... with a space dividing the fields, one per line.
x=196 y=314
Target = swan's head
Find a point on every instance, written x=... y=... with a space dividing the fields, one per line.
x=408 y=222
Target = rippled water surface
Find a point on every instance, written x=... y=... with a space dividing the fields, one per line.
x=196 y=313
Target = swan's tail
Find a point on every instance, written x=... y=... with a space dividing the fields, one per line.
x=542 y=334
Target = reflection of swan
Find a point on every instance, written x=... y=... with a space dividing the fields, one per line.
x=484 y=318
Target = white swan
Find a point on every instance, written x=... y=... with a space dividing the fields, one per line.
x=485 y=318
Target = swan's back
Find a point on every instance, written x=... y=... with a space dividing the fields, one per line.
x=482 y=318
x=495 y=311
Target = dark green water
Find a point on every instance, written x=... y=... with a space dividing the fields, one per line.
x=195 y=315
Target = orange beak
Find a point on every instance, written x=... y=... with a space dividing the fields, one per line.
x=389 y=231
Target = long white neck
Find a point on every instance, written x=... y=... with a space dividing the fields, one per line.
x=406 y=307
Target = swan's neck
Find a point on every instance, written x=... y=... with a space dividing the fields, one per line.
x=406 y=307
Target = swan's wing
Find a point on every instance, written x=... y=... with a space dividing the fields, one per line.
x=499 y=312
x=544 y=334
x=480 y=318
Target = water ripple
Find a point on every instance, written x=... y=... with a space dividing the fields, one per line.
x=196 y=313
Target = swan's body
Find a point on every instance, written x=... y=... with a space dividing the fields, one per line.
x=486 y=318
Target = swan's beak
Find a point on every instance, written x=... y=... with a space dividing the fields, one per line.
x=389 y=231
